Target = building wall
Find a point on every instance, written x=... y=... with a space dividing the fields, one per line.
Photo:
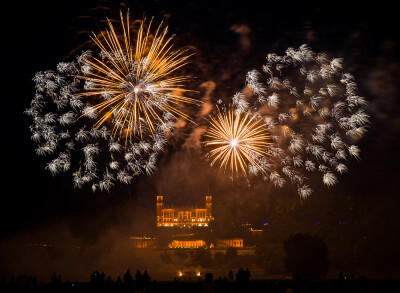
x=160 y=206
x=225 y=243
x=187 y=244
x=143 y=242
x=184 y=217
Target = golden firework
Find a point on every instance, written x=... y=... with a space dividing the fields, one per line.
x=134 y=78
x=237 y=140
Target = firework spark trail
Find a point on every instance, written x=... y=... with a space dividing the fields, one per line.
x=65 y=109
x=313 y=112
x=134 y=78
x=236 y=140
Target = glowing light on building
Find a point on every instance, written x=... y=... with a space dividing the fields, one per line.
x=186 y=217
x=232 y=242
x=187 y=244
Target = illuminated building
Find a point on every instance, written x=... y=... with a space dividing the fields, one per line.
x=143 y=242
x=187 y=244
x=232 y=242
x=186 y=217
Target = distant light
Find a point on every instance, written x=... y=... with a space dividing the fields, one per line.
x=317 y=222
x=266 y=224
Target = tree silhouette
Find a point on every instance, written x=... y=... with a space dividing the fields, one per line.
x=306 y=256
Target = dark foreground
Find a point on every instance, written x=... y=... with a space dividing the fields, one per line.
x=285 y=286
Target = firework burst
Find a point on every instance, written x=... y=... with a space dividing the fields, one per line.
x=134 y=79
x=237 y=141
x=313 y=112
x=120 y=137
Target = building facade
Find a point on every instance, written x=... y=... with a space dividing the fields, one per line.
x=187 y=244
x=143 y=242
x=186 y=217
x=230 y=242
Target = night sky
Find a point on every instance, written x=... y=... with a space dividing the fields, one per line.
x=37 y=35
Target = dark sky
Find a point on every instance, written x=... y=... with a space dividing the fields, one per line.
x=37 y=35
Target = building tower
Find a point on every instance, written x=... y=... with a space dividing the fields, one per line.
x=160 y=206
x=208 y=207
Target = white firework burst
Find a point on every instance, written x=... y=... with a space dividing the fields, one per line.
x=313 y=112
x=62 y=128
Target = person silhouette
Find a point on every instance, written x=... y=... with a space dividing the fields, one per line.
x=138 y=276
x=138 y=279
x=239 y=275
x=102 y=278
x=93 y=277
x=247 y=275
x=34 y=281
x=230 y=276
x=128 y=277
x=12 y=280
x=55 y=279
x=146 y=278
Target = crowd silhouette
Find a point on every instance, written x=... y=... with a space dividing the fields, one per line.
x=232 y=282
x=243 y=276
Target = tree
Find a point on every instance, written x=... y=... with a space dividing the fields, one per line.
x=307 y=256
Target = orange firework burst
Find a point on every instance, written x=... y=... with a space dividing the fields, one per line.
x=237 y=140
x=134 y=78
